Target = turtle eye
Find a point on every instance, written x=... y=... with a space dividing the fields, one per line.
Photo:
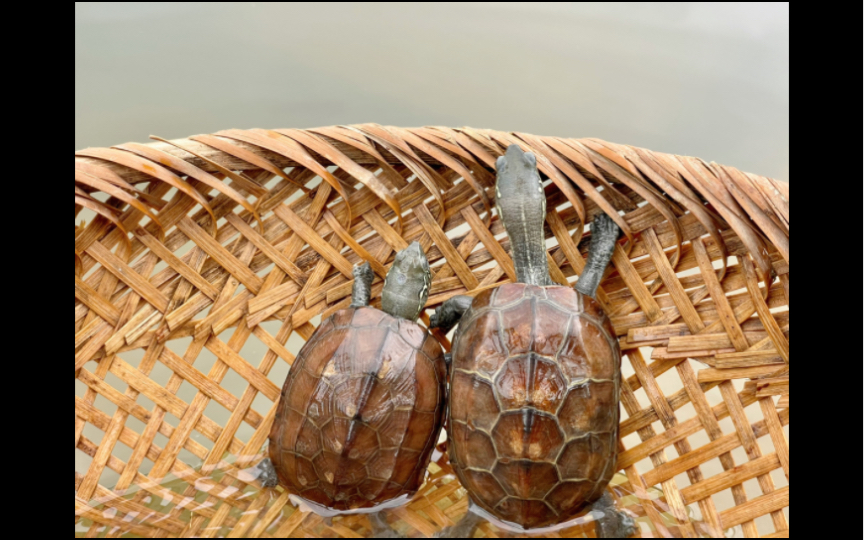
x=401 y=278
x=531 y=159
x=501 y=163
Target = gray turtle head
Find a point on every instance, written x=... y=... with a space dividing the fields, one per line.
x=519 y=186
x=406 y=288
x=521 y=203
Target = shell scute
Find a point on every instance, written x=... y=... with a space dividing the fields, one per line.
x=302 y=385
x=529 y=381
x=406 y=465
x=484 y=351
x=549 y=324
x=396 y=355
x=528 y=514
x=382 y=465
x=392 y=428
x=308 y=440
x=363 y=353
x=326 y=463
x=319 y=354
x=590 y=408
x=484 y=485
x=473 y=402
x=585 y=459
x=483 y=300
x=343 y=318
x=565 y=298
x=507 y=294
x=305 y=471
x=475 y=449
x=567 y=495
x=526 y=479
x=592 y=308
x=527 y=434
x=428 y=377
x=366 y=317
x=517 y=325
x=417 y=436
x=288 y=434
x=359 y=396
x=587 y=353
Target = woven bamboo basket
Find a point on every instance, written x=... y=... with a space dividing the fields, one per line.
x=202 y=264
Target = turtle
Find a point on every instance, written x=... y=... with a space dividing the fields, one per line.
x=362 y=407
x=535 y=377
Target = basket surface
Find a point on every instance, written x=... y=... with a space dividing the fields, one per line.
x=206 y=262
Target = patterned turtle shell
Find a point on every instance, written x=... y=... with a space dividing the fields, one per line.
x=533 y=423
x=536 y=375
x=362 y=407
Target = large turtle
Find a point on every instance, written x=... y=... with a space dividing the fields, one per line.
x=533 y=416
x=362 y=407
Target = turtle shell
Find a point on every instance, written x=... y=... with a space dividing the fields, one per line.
x=533 y=421
x=361 y=411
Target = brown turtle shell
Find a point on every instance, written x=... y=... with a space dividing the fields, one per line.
x=533 y=421
x=361 y=411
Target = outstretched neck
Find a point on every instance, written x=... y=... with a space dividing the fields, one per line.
x=529 y=254
x=523 y=219
x=522 y=208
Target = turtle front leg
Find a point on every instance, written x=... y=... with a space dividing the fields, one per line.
x=362 y=290
x=464 y=529
x=267 y=474
x=450 y=312
x=604 y=238
x=614 y=523
x=380 y=527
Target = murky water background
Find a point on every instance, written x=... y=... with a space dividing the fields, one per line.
x=695 y=78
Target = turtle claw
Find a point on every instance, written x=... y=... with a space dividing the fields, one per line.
x=380 y=527
x=266 y=474
x=448 y=314
x=435 y=319
x=362 y=290
x=464 y=529
x=613 y=523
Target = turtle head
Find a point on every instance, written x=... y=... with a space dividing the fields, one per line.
x=406 y=288
x=519 y=187
x=521 y=202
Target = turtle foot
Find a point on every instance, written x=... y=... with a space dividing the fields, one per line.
x=267 y=474
x=613 y=523
x=464 y=529
x=448 y=314
x=362 y=290
x=380 y=527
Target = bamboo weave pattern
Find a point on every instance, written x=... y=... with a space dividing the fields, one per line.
x=201 y=249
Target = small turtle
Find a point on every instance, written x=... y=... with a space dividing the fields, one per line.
x=362 y=407
x=536 y=373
